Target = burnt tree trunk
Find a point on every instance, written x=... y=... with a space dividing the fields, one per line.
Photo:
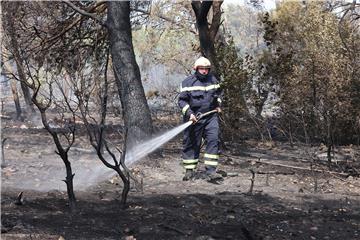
x=207 y=32
x=14 y=90
x=69 y=174
x=16 y=99
x=136 y=112
x=63 y=153
x=126 y=180
x=69 y=181
x=11 y=8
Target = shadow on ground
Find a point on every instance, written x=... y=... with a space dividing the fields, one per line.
x=226 y=215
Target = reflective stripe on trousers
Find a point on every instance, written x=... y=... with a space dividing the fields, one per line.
x=190 y=163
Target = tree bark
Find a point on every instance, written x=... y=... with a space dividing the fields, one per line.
x=136 y=112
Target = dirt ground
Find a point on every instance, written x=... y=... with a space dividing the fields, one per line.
x=286 y=202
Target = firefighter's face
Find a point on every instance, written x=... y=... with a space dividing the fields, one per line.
x=203 y=71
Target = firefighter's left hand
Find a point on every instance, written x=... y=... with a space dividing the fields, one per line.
x=219 y=110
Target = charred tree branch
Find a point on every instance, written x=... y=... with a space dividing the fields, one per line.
x=84 y=13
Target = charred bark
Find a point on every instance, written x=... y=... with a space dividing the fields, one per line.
x=136 y=112
x=69 y=180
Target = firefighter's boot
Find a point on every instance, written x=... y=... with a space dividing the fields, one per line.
x=212 y=176
x=189 y=175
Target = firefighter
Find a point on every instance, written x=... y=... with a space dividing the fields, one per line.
x=200 y=93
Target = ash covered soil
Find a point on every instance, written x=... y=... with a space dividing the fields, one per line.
x=285 y=203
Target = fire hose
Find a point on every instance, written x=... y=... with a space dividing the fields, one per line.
x=200 y=115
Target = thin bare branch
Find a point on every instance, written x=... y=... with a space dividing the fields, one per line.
x=159 y=15
x=84 y=13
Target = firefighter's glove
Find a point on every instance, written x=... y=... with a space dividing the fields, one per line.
x=193 y=118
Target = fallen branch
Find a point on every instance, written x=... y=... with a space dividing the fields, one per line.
x=83 y=150
x=343 y=180
x=5 y=117
x=276 y=173
x=305 y=169
x=174 y=229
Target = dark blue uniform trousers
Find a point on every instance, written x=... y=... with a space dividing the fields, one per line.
x=207 y=128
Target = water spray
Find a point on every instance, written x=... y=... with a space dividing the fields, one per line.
x=96 y=172
x=145 y=148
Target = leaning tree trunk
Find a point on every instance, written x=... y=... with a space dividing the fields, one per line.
x=136 y=112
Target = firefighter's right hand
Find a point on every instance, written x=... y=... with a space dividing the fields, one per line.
x=193 y=118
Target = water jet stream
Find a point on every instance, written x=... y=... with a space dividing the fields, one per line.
x=138 y=152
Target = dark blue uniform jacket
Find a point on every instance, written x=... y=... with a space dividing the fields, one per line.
x=199 y=96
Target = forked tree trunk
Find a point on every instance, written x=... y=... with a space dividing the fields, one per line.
x=64 y=157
